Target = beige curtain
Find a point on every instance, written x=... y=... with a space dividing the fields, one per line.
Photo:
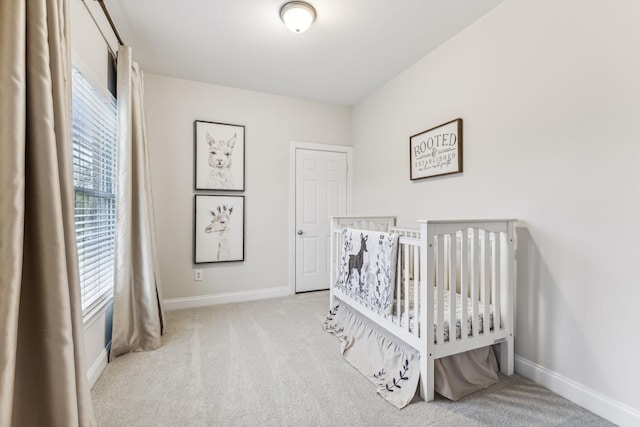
x=137 y=309
x=42 y=374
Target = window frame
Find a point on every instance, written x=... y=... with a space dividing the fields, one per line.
x=94 y=132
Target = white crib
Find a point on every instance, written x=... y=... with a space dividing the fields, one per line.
x=472 y=258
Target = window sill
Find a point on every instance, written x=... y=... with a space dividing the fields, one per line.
x=93 y=314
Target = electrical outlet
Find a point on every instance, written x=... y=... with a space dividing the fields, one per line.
x=197 y=275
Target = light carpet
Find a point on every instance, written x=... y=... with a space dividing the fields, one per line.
x=269 y=363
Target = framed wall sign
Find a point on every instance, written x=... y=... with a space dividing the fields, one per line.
x=437 y=151
x=218 y=234
x=219 y=156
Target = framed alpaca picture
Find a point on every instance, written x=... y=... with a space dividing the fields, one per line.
x=219 y=156
x=218 y=234
x=437 y=151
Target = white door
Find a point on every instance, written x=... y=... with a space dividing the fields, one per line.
x=321 y=191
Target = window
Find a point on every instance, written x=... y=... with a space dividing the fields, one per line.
x=94 y=117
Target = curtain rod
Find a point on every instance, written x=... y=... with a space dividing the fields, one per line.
x=108 y=16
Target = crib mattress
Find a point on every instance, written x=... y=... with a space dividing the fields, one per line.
x=469 y=328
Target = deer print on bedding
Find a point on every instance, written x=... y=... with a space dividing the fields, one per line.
x=220 y=159
x=220 y=224
x=356 y=261
x=368 y=271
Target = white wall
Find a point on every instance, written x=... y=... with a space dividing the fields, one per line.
x=550 y=97
x=271 y=123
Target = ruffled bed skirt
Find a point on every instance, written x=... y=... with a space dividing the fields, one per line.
x=395 y=367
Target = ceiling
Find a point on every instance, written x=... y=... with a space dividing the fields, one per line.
x=353 y=48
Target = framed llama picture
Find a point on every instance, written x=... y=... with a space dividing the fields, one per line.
x=219 y=156
x=436 y=151
x=218 y=234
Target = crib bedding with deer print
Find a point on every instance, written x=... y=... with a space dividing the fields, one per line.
x=392 y=303
x=372 y=281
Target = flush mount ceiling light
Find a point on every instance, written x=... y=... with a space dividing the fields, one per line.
x=297 y=16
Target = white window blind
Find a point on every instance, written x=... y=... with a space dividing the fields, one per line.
x=94 y=115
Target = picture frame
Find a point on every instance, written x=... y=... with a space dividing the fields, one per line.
x=218 y=156
x=218 y=231
x=436 y=151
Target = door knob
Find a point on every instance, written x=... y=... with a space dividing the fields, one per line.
x=299 y=232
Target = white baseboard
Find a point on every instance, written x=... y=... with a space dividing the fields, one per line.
x=98 y=366
x=603 y=406
x=229 y=297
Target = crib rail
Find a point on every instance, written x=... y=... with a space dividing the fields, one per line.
x=475 y=260
x=371 y=223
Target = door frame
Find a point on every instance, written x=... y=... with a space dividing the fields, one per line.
x=293 y=146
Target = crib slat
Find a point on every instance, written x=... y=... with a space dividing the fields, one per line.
x=453 y=247
x=485 y=282
x=496 y=278
x=406 y=285
x=416 y=288
x=464 y=284
x=505 y=263
x=427 y=277
x=475 y=275
x=398 y=318
x=440 y=289
x=333 y=262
